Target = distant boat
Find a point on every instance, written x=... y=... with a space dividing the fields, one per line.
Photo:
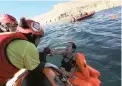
x=85 y=15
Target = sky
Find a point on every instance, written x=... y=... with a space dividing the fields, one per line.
x=26 y=8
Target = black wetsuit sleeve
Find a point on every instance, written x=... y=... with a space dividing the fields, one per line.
x=42 y=58
x=40 y=67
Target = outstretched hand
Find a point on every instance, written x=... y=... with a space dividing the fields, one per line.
x=47 y=50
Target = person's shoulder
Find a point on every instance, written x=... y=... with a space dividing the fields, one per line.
x=25 y=42
x=21 y=43
x=30 y=45
x=30 y=48
x=18 y=42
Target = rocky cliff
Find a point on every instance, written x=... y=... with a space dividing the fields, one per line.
x=62 y=11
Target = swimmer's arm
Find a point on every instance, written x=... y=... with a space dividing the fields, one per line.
x=58 y=51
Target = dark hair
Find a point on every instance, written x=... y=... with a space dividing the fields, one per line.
x=73 y=45
x=23 y=23
x=30 y=37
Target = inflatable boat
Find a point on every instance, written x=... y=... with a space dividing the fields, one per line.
x=52 y=76
x=81 y=17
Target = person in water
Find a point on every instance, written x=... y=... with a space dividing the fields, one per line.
x=19 y=50
x=8 y=23
x=75 y=66
x=83 y=72
x=68 y=55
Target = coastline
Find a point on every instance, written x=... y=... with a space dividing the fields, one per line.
x=62 y=12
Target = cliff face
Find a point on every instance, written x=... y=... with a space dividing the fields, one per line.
x=63 y=11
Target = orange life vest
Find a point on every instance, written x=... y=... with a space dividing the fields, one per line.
x=87 y=76
x=82 y=65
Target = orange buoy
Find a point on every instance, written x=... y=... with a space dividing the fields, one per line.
x=113 y=16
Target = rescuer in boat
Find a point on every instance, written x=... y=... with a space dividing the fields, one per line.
x=8 y=23
x=19 y=50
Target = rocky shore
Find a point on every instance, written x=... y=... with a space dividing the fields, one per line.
x=62 y=12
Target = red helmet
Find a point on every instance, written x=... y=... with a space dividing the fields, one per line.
x=5 y=18
x=30 y=26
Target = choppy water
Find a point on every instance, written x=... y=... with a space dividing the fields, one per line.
x=98 y=37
